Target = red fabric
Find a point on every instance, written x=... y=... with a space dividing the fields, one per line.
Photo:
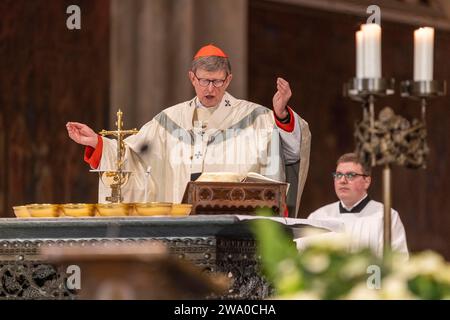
x=208 y=51
x=93 y=156
x=288 y=127
x=286 y=212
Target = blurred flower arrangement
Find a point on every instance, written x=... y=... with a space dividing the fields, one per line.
x=325 y=269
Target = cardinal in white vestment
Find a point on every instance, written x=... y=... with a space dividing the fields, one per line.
x=213 y=132
x=361 y=216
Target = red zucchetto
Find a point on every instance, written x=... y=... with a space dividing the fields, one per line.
x=209 y=51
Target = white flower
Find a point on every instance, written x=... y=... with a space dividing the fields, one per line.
x=355 y=267
x=287 y=266
x=316 y=263
x=394 y=288
x=289 y=275
x=444 y=274
x=329 y=240
x=362 y=292
x=427 y=262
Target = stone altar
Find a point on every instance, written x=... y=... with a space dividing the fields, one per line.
x=214 y=243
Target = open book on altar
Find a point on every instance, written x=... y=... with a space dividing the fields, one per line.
x=236 y=177
x=234 y=193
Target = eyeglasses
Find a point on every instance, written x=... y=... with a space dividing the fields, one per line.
x=349 y=175
x=216 y=82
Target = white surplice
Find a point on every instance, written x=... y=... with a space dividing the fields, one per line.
x=365 y=228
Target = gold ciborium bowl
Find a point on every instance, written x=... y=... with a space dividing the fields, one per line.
x=45 y=210
x=181 y=209
x=78 y=210
x=21 y=212
x=110 y=178
x=153 y=208
x=112 y=209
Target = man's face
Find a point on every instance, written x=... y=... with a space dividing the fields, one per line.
x=209 y=95
x=351 y=191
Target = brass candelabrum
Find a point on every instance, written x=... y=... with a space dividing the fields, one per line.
x=117 y=178
x=390 y=138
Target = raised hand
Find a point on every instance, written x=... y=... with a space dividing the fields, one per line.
x=82 y=134
x=281 y=98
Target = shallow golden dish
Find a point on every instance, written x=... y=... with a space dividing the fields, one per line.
x=153 y=208
x=182 y=209
x=21 y=212
x=112 y=209
x=44 y=210
x=132 y=209
x=78 y=210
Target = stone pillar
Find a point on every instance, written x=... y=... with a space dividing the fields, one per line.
x=224 y=23
x=152 y=45
x=3 y=166
x=122 y=60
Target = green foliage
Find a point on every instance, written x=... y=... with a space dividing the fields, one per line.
x=327 y=270
x=279 y=256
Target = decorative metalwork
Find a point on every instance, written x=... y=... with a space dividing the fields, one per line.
x=365 y=91
x=247 y=282
x=24 y=276
x=238 y=259
x=393 y=140
x=32 y=280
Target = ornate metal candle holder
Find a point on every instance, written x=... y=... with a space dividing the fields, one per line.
x=365 y=91
x=390 y=138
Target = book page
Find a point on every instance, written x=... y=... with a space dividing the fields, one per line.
x=236 y=177
x=256 y=177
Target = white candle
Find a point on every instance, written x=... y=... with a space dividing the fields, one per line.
x=372 y=50
x=359 y=37
x=423 y=54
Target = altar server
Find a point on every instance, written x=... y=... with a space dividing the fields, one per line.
x=362 y=217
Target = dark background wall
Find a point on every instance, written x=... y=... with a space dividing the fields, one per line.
x=49 y=75
x=314 y=50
